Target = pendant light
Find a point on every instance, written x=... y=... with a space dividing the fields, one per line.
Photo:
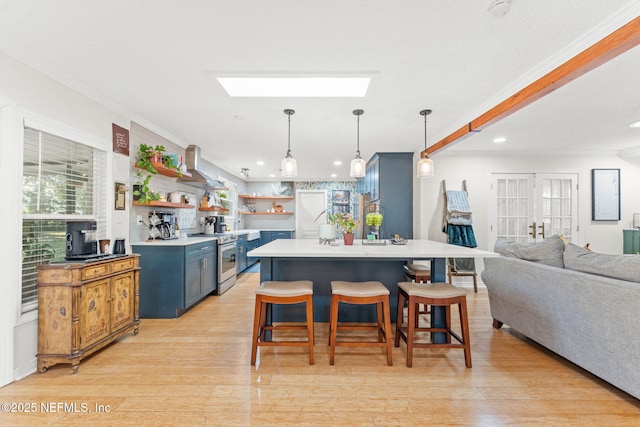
x=425 y=165
x=358 y=165
x=289 y=167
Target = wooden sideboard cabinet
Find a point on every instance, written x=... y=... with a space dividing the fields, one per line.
x=84 y=306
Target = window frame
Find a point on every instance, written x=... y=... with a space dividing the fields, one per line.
x=101 y=189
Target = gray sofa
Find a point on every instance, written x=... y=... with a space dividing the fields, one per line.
x=552 y=294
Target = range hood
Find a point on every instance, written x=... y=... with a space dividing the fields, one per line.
x=197 y=178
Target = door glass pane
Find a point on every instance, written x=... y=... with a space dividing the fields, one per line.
x=555 y=208
x=512 y=188
x=556 y=189
x=546 y=189
x=502 y=207
x=523 y=207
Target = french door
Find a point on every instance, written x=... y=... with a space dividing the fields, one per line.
x=529 y=207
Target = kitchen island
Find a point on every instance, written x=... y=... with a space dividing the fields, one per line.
x=306 y=259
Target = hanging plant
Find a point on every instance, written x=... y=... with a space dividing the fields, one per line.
x=147 y=155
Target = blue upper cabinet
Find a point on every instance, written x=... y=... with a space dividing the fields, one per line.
x=389 y=183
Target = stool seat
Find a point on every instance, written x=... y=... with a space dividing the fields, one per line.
x=418 y=268
x=280 y=292
x=417 y=272
x=371 y=292
x=432 y=290
x=358 y=289
x=285 y=289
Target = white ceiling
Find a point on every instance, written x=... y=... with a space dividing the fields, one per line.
x=156 y=59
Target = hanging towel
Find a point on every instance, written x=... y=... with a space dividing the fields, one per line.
x=458 y=203
x=457 y=209
x=461 y=235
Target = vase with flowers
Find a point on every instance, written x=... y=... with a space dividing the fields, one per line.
x=348 y=224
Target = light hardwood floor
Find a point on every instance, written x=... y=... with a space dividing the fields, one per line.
x=195 y=370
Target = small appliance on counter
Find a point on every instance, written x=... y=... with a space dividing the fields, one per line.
x=214 y=224
x=162 y=226
x=81 y=240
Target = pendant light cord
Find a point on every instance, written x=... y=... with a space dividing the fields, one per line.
x=425 y=132
x=289 y=112
x=425 y=113
x=358 y=139
x=289 y=137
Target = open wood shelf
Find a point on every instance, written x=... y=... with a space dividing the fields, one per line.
x=157 y=203
x=163 y=170
x=214 y=209
x=266 y=213
x=247 y=196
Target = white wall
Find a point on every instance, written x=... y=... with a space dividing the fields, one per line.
x=605 y=237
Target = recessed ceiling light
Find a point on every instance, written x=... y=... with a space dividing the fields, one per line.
x=499 y=139
x=296 y=87
x=272 y=175
x=334 y=175
x=337 y=163
x=260 y=163
x=635 y=124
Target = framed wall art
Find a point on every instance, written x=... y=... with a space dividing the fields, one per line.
x=605 y=194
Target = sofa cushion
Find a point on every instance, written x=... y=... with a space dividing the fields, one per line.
x=616 y=266
x=548 y=252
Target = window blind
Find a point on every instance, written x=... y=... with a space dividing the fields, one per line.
x=62 y=180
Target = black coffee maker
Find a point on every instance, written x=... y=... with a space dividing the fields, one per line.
x=81 y=242
x=219 y=226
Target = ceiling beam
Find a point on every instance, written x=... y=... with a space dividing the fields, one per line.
x=616 y=43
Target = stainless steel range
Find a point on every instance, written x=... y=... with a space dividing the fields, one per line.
x=226 y=261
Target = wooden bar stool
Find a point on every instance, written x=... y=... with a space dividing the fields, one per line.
x=416 y=272
x=282 y=293
x=420 y=274
x=360 y=293
x=434 y=294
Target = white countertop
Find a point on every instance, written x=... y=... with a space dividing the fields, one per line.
x=414 y=249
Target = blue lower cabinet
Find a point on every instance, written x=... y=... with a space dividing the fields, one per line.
x=175 y=278
x=241 y=253
x=269 y=236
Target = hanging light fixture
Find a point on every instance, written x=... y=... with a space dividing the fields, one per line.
x=358 y=165
x=425 y=165
x=289 y=166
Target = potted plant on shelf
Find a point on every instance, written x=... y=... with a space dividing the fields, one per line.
x=348 y=225
x=147 y=156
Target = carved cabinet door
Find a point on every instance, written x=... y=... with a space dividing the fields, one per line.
x=122 y=300
x=95 y=312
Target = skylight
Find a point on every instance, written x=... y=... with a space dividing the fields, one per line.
x=296 y=87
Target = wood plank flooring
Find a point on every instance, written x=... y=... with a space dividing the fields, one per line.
x=195 y=370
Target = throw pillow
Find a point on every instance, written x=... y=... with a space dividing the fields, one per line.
x=548 y=252
x=615 y=266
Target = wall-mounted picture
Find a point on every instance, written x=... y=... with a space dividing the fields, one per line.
x=340 y=197
x=605 y=194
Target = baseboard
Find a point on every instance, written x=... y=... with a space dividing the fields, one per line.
x=25 y=370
